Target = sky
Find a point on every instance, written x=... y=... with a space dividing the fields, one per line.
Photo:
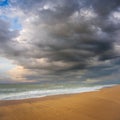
x=60 y=40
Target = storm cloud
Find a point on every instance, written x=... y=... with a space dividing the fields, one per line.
x=64 y=39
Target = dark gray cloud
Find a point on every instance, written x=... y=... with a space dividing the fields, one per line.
x=105 y=7
x=6 y=37
x=62 y=37
x=5 y=34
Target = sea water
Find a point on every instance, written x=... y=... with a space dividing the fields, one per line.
x=25 y=91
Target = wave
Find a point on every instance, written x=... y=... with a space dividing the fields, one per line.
x=42 y=93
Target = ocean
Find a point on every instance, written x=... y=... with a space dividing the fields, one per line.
x=25 y=91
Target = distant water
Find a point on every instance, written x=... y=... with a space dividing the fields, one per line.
x=24 y=91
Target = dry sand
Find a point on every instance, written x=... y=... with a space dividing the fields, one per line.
x=99 y=105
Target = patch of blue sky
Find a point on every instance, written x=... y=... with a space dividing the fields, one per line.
x=4 y=3
x=14 y=22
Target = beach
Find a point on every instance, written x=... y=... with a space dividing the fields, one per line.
x=98 y=105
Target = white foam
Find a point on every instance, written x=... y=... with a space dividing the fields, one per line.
x=42 y=93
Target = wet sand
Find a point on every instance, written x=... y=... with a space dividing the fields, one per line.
x=98 y=105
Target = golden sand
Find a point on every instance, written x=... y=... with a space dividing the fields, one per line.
x=99 y=105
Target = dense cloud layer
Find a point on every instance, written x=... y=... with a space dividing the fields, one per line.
x=64 y=39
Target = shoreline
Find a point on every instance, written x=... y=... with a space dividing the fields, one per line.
x=54 y=92
x=19 y=101
x=96 y=105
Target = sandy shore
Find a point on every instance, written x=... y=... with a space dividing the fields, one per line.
x=99 y=105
